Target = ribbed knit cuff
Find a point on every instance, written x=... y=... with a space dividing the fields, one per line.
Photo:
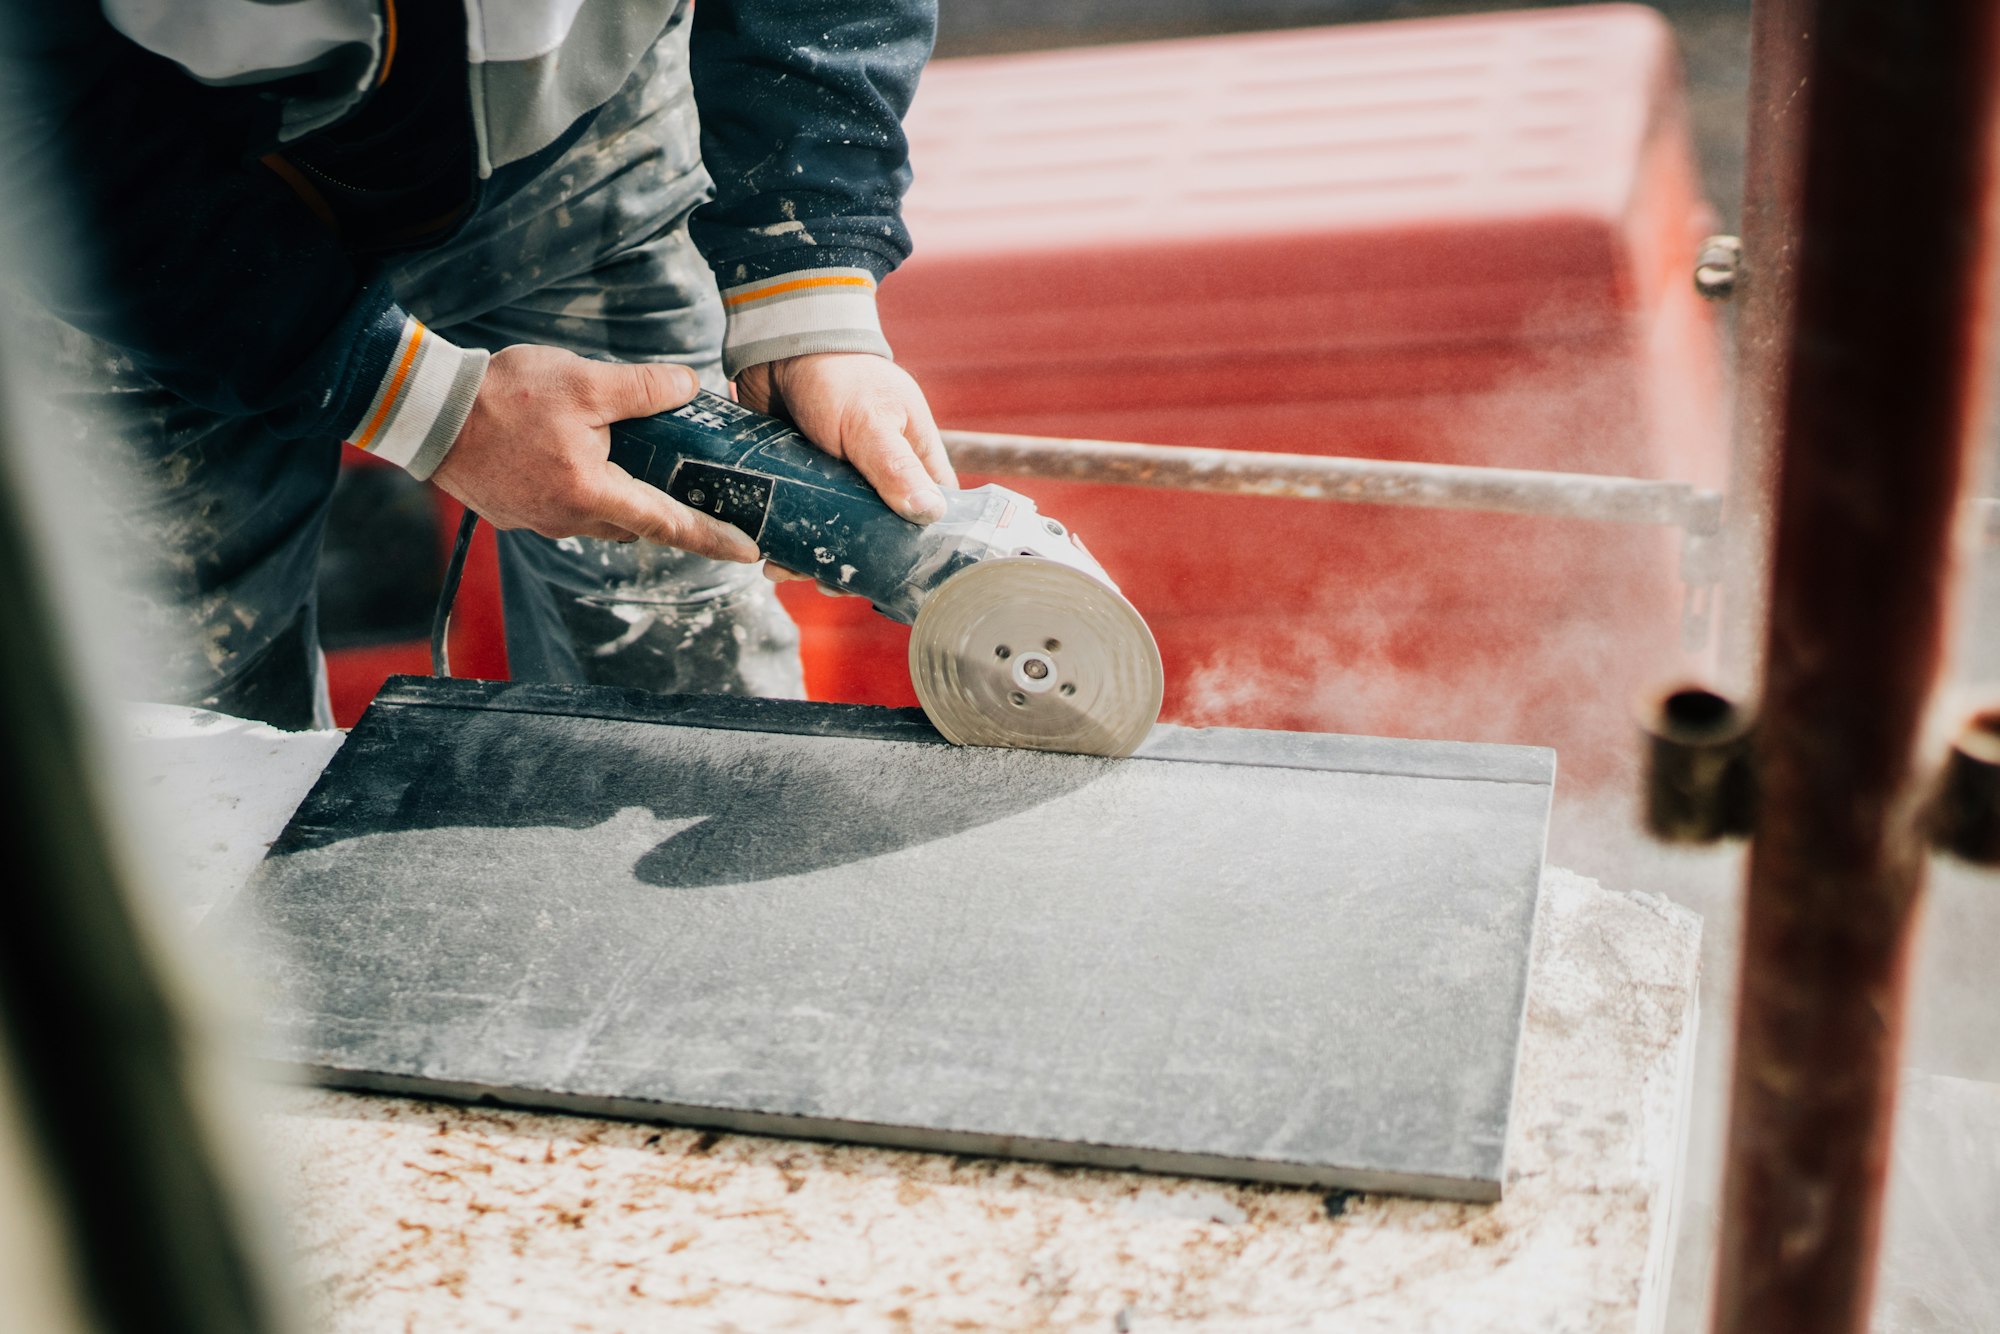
x=422 y=401
x=807 y=310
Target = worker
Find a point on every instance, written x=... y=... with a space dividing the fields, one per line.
x=464 y=237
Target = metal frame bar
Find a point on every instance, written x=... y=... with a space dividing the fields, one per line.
x=1355 y=481
x=1696 y=512
x=1350 y=480
x=1875 y=422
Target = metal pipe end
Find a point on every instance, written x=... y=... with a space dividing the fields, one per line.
x=1965 y=821
x=1699 y=785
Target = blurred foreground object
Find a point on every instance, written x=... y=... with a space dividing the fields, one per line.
x=102 y=1069
x=1864 y=406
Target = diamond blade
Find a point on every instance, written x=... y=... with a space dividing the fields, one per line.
x=1024 y=652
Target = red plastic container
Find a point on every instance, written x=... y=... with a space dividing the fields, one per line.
x=1461 y=240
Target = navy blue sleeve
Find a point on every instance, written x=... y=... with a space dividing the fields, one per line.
x=199 y=262
x=802 y=104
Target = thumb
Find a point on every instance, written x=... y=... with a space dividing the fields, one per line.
x=619 y=392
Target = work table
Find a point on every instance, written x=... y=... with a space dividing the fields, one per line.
x=425 y=1215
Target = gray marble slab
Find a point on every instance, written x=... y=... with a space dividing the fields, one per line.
x=1263 y=956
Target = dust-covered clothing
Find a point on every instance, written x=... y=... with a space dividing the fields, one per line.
x=245 y=325
x=227 y=516
x=238 y=171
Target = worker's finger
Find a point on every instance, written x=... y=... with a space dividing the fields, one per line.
x=922 y=432
x=650 y=513
x=891 y=466
x=619 y=392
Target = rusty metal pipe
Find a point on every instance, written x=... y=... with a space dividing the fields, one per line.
x=1354 y=481
x=1762 y=304
x=1877 y=421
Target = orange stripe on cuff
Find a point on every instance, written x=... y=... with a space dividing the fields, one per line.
x=395 y=385
x=388 y=44
x=799 y=284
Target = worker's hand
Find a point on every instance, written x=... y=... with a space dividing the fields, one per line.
x=865 y=409
x=535 y=453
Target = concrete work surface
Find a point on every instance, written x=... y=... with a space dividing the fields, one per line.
x=413 y=1214
x=1253 y=955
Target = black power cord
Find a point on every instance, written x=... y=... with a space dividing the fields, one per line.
x=453 y=572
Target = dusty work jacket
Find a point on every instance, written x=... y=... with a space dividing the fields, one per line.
x=204 y=155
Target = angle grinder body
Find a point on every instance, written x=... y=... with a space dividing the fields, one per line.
x=1019 y=638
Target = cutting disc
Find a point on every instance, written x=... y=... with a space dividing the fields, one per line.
x=1025 y=652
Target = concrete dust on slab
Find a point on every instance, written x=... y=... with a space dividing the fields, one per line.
x=421 y=1215
x=920 y=946
x=214 y=782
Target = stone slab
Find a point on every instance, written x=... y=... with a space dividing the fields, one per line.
x=1251 y=955
x=411 y=1214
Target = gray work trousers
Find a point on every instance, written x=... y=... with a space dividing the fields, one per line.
x=220 y=523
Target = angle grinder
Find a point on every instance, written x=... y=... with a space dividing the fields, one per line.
x=1018 y=637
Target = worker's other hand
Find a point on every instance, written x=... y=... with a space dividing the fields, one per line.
x=535 y=453
x=865 y=409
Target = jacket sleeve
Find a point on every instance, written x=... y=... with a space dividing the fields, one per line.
x=801 y=105
x=165 y=239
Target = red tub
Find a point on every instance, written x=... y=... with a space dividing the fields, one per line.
x=1459 y=240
